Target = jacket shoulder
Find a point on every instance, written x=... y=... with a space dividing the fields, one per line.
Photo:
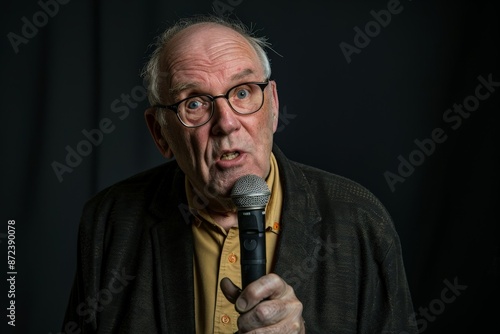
x=126 y=202
x=350 y=209
x=135 y=187
x=339 y=189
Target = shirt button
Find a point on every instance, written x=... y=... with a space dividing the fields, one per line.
x=231 y=258
x=225 y=319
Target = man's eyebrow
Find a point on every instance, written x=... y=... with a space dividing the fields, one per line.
x=178 y=88
x=242 y=74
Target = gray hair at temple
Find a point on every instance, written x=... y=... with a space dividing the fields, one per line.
x=152 y=70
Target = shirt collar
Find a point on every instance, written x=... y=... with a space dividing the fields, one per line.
x=273 y=208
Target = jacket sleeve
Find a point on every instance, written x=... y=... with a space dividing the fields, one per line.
x=387 y=302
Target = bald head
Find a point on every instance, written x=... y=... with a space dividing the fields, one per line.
x=191 y=37
x=203 y=51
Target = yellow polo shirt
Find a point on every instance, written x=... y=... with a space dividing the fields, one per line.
x=217 y=255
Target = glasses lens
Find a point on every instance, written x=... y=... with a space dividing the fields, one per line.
x=195 y=111
x=246 y=98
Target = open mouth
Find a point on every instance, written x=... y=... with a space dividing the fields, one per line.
x=230 y=155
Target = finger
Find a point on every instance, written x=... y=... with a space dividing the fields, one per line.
x=273 y=316
x=266 y=313
x=270 y=286
x=230 y=291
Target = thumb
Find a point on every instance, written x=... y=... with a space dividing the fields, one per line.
x=230 y=291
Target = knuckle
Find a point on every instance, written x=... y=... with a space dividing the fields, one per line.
x=296 y=325
x=263 y=312
x=299 y=307
x=274 y=276
x=272 y=279
x=252 y=293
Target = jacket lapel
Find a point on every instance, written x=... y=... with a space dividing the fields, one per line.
x=299 y=215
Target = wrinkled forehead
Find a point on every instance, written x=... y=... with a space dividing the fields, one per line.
x=206 y=44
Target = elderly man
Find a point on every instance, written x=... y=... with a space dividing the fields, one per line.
x=159 y=252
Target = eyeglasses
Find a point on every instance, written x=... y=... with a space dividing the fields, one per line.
x=197 y=110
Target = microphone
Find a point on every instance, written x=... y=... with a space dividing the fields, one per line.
x=250 y=194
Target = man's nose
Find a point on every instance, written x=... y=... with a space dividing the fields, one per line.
x=226 y=119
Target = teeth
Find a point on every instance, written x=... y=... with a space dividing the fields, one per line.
x=229 y=156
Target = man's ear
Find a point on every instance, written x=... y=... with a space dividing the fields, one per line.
x=155 y=130
x=275 y=104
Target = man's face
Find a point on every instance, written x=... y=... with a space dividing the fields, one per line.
x=211 y=59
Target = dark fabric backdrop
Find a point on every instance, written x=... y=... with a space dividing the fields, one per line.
x=77 y=69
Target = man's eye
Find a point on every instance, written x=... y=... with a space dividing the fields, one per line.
x=242 y=94
x=194 y=104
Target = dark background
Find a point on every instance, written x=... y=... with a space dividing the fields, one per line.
x=354 y=119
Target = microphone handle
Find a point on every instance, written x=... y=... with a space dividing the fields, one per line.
x=251 y=225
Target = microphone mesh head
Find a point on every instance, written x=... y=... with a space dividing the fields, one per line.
x=250 y=192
